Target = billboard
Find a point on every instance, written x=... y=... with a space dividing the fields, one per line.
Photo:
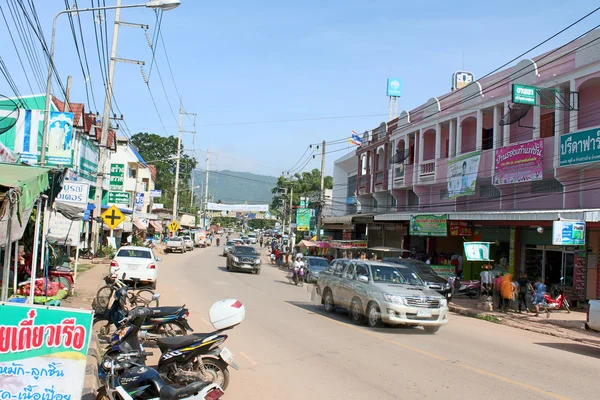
x=238 y=207
x=429 y=225
x=303 y=216
x=60 y=138
x=580 y=147
x=477 y=251
x=460 y=79
x=394 y=87
x=519 y=163
x=462 y=174
x=568 y=233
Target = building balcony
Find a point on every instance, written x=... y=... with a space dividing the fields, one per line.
x=364 y=184
x=427 y=170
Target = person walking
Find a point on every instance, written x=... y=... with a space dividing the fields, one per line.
x=260 y=242
x=524 y=288
x=506 y=291
x=538 y=297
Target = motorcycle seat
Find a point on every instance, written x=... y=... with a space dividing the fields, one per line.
x=58 y=268
x=170 y=392
x=176 y=342
x=164 y=311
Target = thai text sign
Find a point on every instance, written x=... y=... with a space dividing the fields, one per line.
x=118 y=198
x=303 y=216
x=462 y=174
x=580 y=147
x=461 y=228
x=477 y=251
x=117 y=176
x=523 y=94
x=568 y=233
x=429 y=225
x=519 y=163
x=43 y=351
x=76 y=193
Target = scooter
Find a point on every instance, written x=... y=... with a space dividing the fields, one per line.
x=163 y=322
x=471 y=289
x=558 y=303
x=125 y=378
x=188 y=358
x=61 y=274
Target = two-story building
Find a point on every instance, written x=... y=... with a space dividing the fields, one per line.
x=497 y=163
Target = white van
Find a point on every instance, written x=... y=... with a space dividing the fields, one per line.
x=252 y=237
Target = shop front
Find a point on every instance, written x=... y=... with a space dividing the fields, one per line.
x=347 y=248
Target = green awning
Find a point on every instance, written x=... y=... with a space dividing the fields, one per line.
x=31 y=181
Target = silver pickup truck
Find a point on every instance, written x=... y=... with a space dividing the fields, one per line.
x=382 y=293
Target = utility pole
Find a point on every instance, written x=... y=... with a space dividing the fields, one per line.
x=290 y=216
x=322 y=192
x=192 y=193
x=103 y=159
x=206 y=188
x=176 y=194
x=283 y=216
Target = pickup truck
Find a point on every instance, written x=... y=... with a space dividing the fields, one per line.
x=382 y=294
x=593 y=316
x=175 y=243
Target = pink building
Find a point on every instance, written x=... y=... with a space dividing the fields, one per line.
x=503 y=183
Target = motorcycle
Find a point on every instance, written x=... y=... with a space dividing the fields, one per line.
x=189 y=358
x=61 y=274
x=471 y=289
x=163 y=322
x=218 y=242
x=558 y=303
x=125 y=378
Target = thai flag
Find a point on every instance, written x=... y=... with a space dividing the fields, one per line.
x=355 y=139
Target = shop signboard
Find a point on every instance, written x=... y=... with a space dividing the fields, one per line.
x=74 y=193
x=394 y=87
x=156 y=193
x=117 y=176
x=568 y=233
x=444 y=271
x=60 y=139
x=88 y=160
x=523 y=94
x=519 y=163
x=43 y=351
x=461 y=228
x=429 y=225
x=477 y=251
x=303 y=219
x=580 y=147
x=462 y=174
x=118 y=198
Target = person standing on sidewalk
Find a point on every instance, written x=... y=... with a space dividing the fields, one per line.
x=497 y=295
x=506 y=291
x=524 y=288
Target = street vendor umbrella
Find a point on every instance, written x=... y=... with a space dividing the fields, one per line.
x=323 y=245
x=385 y=249
x=306 y=243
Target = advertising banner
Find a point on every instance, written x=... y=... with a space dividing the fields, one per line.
x=303 y=219
x=88 y=160
x=568 y=233
x=519 y=163
x=477 y=251
x=117 y=176
x=429 y=225
x=43 y=351
x=580 y=147
x=60 y=138
x=462 y=174
x=238 y=207
x=461 y=228
x=139 y=201
x=74 y=193
x=63 y=231
x=118 y=198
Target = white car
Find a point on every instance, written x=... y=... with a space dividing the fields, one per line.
x=252 y=237
x=175 y=243
x=136 y=263
x=189 y=243
x=593 y=316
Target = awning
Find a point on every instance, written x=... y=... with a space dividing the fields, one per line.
x=139 y=224
x=306 y=243
x=31 y=182
x=157 y=226
x=343 y=220
x=588 y=215
x=188 y=221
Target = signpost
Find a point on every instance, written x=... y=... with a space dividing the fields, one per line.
x=117 y=176
x=173 y=226
x=113 y=217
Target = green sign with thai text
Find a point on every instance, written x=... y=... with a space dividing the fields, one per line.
x=523 y=94
x=118 y=197
x=303 y=216
x=580 y=147
x=117 y=176
x=429 y=225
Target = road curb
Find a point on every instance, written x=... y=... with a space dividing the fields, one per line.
x=91 y=383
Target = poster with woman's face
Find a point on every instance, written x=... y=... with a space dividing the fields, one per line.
x=462 y=175
x=60 y=139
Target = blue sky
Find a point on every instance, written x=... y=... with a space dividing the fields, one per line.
x=238 y=62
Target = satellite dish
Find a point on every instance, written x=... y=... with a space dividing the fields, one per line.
x=10 y=113
x=515 y=113
x=399 y=157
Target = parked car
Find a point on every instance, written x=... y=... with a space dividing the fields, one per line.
x=383 y=293
x=593 y=316
x=244 y=258
x=228 y=246
x=245 y=239
x=252 y=238
x=175 y=243
x=314 y=266
x=136 y=262
x=189 y=243
x=426 y=273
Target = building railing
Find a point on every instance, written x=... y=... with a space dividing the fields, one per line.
x=379 y=177
x=399 y=173
x=427 y=168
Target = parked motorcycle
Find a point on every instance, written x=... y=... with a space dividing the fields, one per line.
x=558 y=303
x=124 y=377
x=163 y=322
x=471 y=289
x=61 y=274
x=189 y=358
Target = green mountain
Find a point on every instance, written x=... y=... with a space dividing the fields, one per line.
x=235 y=187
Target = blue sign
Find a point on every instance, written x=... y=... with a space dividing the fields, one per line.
x=139 y=201
x=394 y=87
x=568 y=233
x=156 y=193
x=267 y=215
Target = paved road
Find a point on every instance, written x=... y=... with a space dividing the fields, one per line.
x=289 y=349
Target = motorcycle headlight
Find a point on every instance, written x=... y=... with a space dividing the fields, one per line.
x=447 y=286
x=393 y=298
x=443 y=302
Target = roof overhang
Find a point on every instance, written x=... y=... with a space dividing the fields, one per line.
x=588 y=215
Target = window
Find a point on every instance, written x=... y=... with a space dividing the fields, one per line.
x=361 y=269
x=447 y=148
x=547 y=125
x=413 y=199
x=546 y=186
x=489 y=192
x=134 y=253
x=444 y=194
x=487 y=140
x=131 y=172
x=349 y=272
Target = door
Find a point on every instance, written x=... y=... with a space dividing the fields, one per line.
x=568 y=269
x=553 y=267
x=345 y=290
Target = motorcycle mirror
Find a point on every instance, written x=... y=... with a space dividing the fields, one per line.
x=124 y=275
x=155 y=296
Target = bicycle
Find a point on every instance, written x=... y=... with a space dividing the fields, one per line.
x=137 y=297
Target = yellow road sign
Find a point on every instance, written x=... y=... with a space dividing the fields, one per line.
x=113 y=217
x=174 y=226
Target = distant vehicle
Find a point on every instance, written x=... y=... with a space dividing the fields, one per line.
x=175 y=243
x=189 y=243
x=425 y=272
x=228 y=247
x=136 y=262
x=245 y=239
x=198 y=239
x=593 y=316
x=243 y=258
x=252 y=237
x=314 y=266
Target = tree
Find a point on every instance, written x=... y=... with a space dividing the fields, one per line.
x=160 y=152
x=308 y=185
x=261 y=223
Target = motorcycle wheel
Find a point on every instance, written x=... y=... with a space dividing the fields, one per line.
x=472 y=295
x=65 y=282
x=102 y=395
x=170 y=329
x=143 y=298
x=566 y=306
x=216 y=371
x=104 y=329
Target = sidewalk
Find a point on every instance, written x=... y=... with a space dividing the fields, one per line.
x=559 y=323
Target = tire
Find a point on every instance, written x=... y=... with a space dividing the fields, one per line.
x=373 y=316
x=217 y=371
x=170 y=329
x=143 y=298
x=104 y=328
x=258 y=271
x=104 y=295
x=472 y=295
x=431 y=329
x=566 y=306
x=154 y=287
x=102 y=394
x=65 y=282
x=356 y=312
x=328 y=301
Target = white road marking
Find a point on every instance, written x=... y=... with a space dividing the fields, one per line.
x=247 y=357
